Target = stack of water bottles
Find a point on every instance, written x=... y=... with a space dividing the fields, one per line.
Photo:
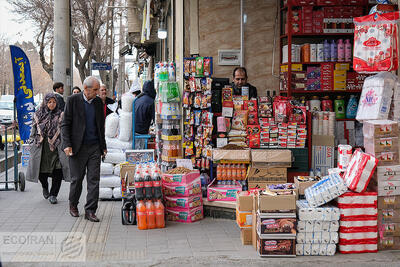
x=149 y=208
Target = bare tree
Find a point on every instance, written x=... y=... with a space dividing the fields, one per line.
x=88 y=33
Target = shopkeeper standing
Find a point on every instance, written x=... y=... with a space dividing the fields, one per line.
x=240 y=81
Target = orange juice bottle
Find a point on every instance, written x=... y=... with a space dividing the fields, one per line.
x=219 y=172
x=234 y=172
x=151 y=215
x=141 y=215
x=229 y=172
x=244 y=171
x=159 y=208
x=223 y=172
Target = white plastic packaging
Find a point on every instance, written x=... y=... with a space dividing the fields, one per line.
x=116 y=170
x=111 y=125
x=115 y=157
x=117 y=193
x=127 y=101
x=125 y=126
x=106 y=168
x=109 y=181
x=105 y=193
x=118 y=144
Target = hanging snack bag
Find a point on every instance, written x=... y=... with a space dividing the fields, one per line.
x=186 y=67
x=226 y=94
x=238 y=103
x=250 y=105
x=252 y=119
x=207 y=66
x=264 y=107
x=375 y=43
x=193 y=67
x=281 y=109
x=199 y=66
x=239 y=121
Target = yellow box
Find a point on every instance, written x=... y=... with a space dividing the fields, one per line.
x=339 y=85
x=339 y=79
x=295 y=67
x=342 y=66
x=339 y=73
x=244 y=218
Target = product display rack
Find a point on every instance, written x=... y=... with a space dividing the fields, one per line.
x=289 y=38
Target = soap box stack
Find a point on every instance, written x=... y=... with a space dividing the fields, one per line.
x=358 y=232
x=389 y=207
x=317 y=229
x=276 y=224
x=182 y=196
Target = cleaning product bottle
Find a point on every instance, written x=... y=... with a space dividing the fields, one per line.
x=340 y=110
x=340 y=50
x=352 y=106
x=333 y=51
x=347 y=50
x=327 y=51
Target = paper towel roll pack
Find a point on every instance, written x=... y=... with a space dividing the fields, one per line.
x=359 y=171
x=315 y=249
x=317 y=226
x=325 y=213
x=317 y=238
x=329 y=188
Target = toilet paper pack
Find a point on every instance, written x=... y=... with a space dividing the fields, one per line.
x=358 y=248
x=371 y=236
x=356 y=223
x=358 y=212
x=317 y=226
x=325 y=213
x=329 y=188
x=315 y=249
x=359 y=171
x=365 y=199
x=317 y=238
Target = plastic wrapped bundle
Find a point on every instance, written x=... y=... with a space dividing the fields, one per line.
x=106 y=168
x=308 y=213
x=359 y=171
x=125 y=126
x=109 y=181
x=317 y=226
x=116 y=170
x=105 y=193
x=118 y=144
x=376 y=97
x=329 y=188
x=111 y=125
x=127 y=101
x=315 y=249
x=115 y=157
x=317 y=238
x=117 y=193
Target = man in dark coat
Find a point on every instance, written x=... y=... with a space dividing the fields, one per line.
x=58 y=88
x=240 y=81
x=144 y=111
x=84 y=143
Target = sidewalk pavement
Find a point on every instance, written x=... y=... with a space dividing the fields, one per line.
x=210 y=242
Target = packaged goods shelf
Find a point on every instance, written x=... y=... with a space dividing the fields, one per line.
x=322 y=91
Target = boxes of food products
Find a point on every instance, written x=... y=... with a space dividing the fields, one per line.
x=389 y=243
x=389 y=229
x=271 y=158
x=185 y=190
x=386 y=188
x=276 y=245
x=389 y=215
x=183 y=202
x=244 y=201
x=272 y=175
x=389 y=202
x=187 y=216
x=276 y=223
x=381 y=144
x=269 y=201
x=179 y=176
x=217 y=192
x=303 y=182
x=244 y=218
x=246 y=236
x=231 y=152
x=380 y=128
x=387 y=173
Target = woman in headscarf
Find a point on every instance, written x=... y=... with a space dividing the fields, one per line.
x=47 y=158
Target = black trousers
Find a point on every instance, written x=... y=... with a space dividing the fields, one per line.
x=56 y=176
x=87 y=160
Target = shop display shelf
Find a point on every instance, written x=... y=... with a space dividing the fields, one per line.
x=323 y=91
x=318 y=63
x=317 y=35
x=346 y=119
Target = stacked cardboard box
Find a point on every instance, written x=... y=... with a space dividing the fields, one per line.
x=244 y=208
x=269 y=166
x=317 y=229
x=275 y=219
x=358 y=231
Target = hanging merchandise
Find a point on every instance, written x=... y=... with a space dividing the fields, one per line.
x=340 y=109
x=352 y=106
x=375 y=43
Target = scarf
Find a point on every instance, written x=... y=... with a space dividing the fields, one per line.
x=48 y=123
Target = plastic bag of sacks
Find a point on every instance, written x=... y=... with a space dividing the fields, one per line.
x=111 y=125
x=125 y=126
x=109 y=181
x=127 y=101
x=117 y=193
x=359 y=171
x=106 y=168
x=115 y=157
x=376 y=97
x=105 y=193
x=116 y=170
x=118 y=144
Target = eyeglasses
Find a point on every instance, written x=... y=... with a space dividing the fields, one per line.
x=240 y=79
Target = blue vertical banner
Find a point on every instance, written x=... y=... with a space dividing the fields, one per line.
x=23 y=91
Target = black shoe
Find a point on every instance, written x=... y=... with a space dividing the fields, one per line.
x=91 y=217
x=46 y=193
x=73 y=211
x=53 y=200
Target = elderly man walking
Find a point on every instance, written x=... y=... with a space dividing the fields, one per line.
x=84 y=144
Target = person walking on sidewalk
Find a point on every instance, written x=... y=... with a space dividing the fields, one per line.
x=58 y=88
x=46 y=155
x=84 y=143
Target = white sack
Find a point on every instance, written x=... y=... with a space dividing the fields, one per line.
x=118 y=144
x=111 y=125
x=127 y=101
x=125 y=126
x=106 y=168
x=115 y=157
x=117 y=192
x=109 y=181
x=105 y=193
x=116 y=170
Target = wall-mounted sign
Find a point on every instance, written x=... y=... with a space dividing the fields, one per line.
x=229 y=57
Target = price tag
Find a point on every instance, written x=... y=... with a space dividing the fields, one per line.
x=186 y=163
